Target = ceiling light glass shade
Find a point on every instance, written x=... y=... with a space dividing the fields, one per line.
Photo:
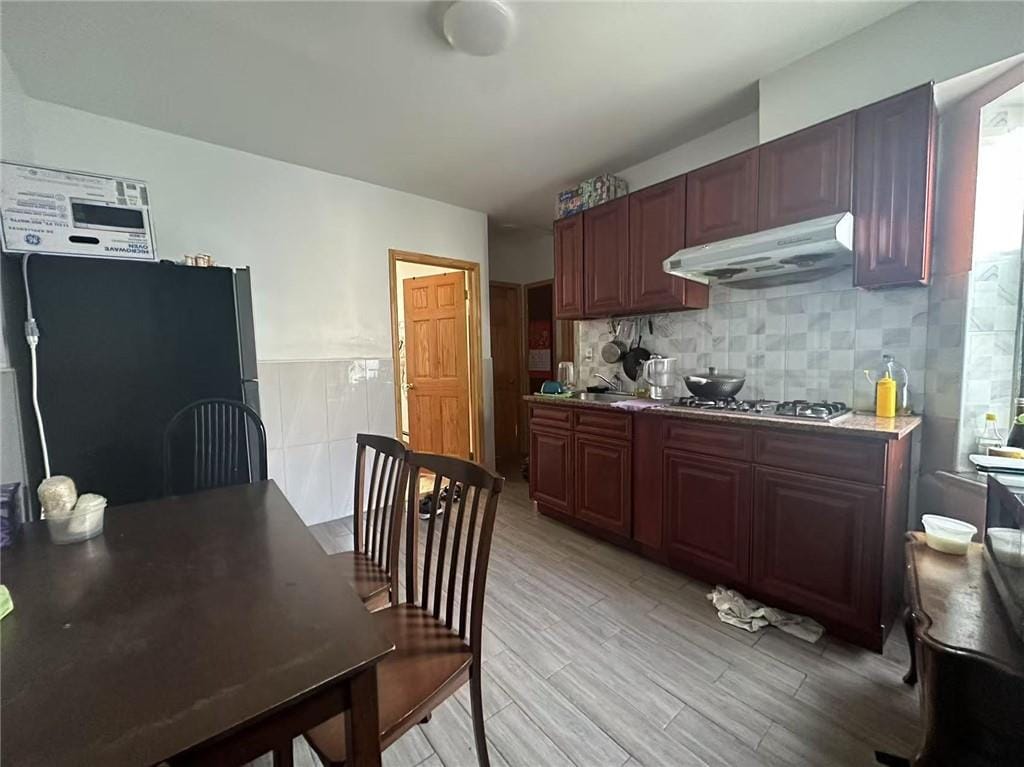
x=479 y=27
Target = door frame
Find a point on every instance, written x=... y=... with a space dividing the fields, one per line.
x=564 y=330
x=475 y=384
x=521 y=372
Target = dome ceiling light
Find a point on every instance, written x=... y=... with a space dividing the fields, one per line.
x=479 y=27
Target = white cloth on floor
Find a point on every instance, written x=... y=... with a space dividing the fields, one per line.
x=750 y=615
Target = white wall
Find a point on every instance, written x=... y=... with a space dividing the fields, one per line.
x=734 y=137
x=318 y=246
x=318 y=243
x=521 y=256
x=926 y=41
x=14 y=142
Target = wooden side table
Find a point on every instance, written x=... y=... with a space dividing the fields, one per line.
x=970 y=662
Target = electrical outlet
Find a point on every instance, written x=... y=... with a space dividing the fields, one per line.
x=588 y=356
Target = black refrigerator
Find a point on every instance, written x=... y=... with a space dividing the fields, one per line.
x=123 y=346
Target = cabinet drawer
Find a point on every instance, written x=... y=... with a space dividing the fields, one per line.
x=709 y=439
x=552 y=417
x=856 y=460
x=603 y=423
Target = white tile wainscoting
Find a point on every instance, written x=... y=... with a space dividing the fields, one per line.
x=990 y=340
x=808 y=341
x=312 y=411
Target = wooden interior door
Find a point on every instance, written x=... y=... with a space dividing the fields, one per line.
x=437 y=363
x=506 y=329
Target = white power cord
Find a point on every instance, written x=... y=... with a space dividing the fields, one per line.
x=32 y=339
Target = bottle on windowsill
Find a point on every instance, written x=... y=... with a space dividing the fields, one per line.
x=990 y=436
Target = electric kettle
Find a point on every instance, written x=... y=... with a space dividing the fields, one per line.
x=661 y=376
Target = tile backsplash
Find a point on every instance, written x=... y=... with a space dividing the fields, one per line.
x=807 y=341
x=312 y=411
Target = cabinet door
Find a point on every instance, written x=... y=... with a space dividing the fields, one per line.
x=605 y=254
x=648 y=527
x=894 y=160
x=707 y=516
x=806 y=175
x=551 y=478
x=657 y=229
x=817 y=545
x=721 y=199
x=569 y=268
x=603 y=488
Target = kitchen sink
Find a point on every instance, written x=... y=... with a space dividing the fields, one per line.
x=586 y=396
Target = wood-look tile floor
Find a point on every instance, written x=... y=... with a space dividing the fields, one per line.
x=594 y=656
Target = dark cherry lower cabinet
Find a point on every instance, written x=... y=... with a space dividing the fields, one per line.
x=707 y=515
x=551 y=469
x=581 y=468
x=812 y=523
x=817 y=545
x=603 y=488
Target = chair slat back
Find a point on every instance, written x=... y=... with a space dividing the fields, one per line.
x=209 y=443
x=381 y=481
x=451 y=582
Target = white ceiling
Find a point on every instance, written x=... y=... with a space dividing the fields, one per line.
x=372 y=91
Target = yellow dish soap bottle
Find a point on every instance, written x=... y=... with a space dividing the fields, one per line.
x=885 y=397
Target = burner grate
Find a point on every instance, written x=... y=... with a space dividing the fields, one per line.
x=820 y=411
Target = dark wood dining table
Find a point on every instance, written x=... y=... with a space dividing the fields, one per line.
x=198 y=629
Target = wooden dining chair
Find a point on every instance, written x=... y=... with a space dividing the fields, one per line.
x=209 y=443
x=437 y=629
x=379 y=498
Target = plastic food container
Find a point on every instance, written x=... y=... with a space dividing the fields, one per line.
x=1007 y=545
x=948 y=535
x=72 y=528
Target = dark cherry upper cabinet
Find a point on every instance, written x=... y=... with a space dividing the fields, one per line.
x=817 y=546
x=657 y=229
x=707 y=516
x=605 y=256
x=551 y=470
x=603 y=490
x=569 y=268
x=806 y=175
x=894 y=168
x=721 y=199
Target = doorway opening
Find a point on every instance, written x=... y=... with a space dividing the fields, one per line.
x=437 y=350
x=527 y=344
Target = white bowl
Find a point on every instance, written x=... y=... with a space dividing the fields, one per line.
x=948 y=535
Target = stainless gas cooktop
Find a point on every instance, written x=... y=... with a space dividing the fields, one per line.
x=815 y=411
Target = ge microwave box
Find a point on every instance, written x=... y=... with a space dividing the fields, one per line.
x=589 y=194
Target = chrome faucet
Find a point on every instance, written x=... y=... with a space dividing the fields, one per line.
x=615 y=382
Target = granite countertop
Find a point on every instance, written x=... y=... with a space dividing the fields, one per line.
x=854 y=424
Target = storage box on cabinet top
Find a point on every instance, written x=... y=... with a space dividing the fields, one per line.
x=589 y=194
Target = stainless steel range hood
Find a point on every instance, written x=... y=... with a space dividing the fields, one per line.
x=789 y=254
